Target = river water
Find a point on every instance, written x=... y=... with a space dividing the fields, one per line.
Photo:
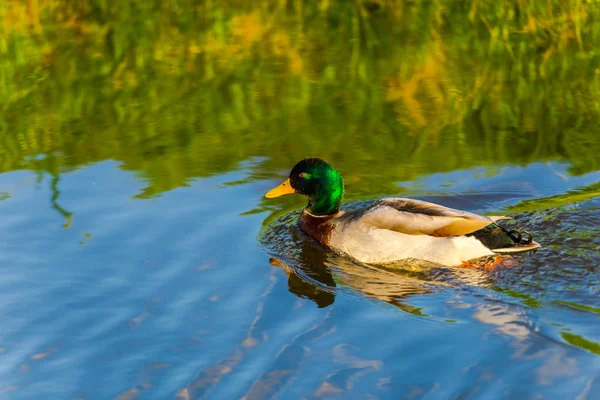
x=140 y=260
x=179 y=295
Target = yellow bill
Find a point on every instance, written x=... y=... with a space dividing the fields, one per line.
x=284 y=188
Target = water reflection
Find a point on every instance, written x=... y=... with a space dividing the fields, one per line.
x=54 y=200
x=316 y=273
x=175 y=285
x=166 y=102
x=321 y=291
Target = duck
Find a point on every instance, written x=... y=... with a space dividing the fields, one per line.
x=393 y=229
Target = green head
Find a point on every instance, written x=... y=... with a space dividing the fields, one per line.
x=317 y=180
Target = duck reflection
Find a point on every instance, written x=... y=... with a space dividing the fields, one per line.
x=321 y=293
x=317 y=274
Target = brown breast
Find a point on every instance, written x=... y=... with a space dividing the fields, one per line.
x=318 y=228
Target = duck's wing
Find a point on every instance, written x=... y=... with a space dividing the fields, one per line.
x=417 y=217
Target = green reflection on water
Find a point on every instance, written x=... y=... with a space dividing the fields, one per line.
x=525 y=298
x=581 y=342
x=180 y=89
x=580 y=306
x=574 y=196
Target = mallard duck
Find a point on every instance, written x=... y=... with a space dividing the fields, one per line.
x=393 y=229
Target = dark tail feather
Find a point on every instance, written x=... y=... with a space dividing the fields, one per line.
x=501 y=240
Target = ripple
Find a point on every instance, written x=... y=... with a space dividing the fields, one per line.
x=564 y=272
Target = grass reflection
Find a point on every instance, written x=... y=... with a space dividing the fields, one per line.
x=180 y=89
x=581 y=342
x=579 y=306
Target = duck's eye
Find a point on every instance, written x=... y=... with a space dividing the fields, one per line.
x=302 y=175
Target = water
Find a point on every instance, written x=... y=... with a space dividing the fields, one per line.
x=139 y=259
x=175 y=296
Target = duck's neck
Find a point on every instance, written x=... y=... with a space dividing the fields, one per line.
x=327 y=200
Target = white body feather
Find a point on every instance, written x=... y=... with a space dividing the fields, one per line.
x=399 y=228
x=374 y=245
x=395 y=229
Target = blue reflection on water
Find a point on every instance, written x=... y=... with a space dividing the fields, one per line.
x=171 y=296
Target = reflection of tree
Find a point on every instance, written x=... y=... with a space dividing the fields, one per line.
x=98 y=86
x=54 y=200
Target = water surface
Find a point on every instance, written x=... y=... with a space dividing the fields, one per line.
x=174 y=295
x=139 y=258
